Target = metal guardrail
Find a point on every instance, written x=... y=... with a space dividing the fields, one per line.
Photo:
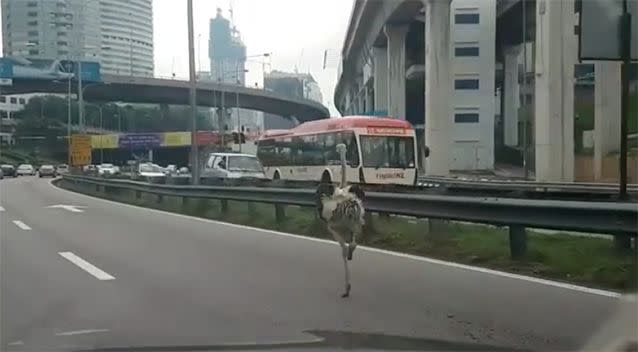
x=615 y=218
x=574 y=187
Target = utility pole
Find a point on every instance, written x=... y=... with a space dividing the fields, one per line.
x=192 y=95
x=625 y=42
x=68 y=122
x=528 y=115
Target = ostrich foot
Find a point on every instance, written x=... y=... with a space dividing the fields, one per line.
x=347 y=293
x=351 y=248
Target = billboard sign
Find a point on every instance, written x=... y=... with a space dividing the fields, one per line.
x=6 y=72
x=91 y=72
x=600 y=29
x=176 y=139
x=208 y=138
x=140 y=140
x=6 y=68
x=104 y=141
x=80 y=149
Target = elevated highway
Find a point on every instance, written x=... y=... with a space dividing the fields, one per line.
x=173 y=91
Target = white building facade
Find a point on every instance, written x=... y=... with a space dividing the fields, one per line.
x=473 y=33
x=127 y=37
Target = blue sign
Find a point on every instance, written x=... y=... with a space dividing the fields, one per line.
x=140 y=140
x=91 y=72
x=6 y=68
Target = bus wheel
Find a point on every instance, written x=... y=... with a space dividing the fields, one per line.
x=325 y=178
x=276 y=176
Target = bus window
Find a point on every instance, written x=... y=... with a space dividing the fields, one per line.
x=352 y=152
x=266 y=152
x=392 y=152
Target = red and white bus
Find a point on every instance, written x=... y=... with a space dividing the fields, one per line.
x=379 y=151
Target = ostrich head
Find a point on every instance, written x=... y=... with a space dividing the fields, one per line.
x=324 y=190
x=341 y=149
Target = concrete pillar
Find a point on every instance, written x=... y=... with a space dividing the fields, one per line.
x=607 y=112
x=380 y=78
x=438 y=87
x=556 y=55
x=369 y=99
x=511 y=97
x=396 y=69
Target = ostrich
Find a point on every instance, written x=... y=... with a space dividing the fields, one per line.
x=342 y=210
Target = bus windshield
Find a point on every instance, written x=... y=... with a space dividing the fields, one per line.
x=387 y=152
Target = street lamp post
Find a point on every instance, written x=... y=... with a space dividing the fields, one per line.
x=193 y=94
x=99 y=108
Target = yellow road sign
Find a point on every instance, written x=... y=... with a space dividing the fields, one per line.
x=80 y=149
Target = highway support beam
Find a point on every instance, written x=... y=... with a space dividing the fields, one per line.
x=396 y=69
x=606 y=113
x=511 y=95
x=556 y=55
x=380 y=79
x=438 y=87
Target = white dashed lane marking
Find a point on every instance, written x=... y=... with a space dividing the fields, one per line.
x=21 y=225
x=86 y=266
x=1 y=208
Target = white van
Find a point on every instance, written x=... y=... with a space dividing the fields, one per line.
x=233 y=165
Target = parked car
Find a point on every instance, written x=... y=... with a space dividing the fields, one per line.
x=8 y=170
x=233 y=165
x=25 y=169
x=107 y=170
x=46 y=170
x=150 y=170
x=170 y=169
x=62 y=169
x=89 y=169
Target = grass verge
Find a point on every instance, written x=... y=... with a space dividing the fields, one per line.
x=589 y=261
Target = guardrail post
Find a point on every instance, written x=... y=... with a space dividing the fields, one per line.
x=138 y=194
x=280 y=213
x=251 y=208
x=518 y=241
x=160 y=198
x=224 y=204
x=622 y=243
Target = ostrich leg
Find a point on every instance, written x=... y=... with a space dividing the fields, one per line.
x=344 y=256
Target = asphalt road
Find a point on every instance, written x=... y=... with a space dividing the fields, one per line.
x=109 y=275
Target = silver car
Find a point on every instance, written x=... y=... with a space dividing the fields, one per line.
x=233 y=165
x=25 y=169
x=46 y=170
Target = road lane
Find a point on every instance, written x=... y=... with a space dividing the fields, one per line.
x=185 y=281
x=39 y=290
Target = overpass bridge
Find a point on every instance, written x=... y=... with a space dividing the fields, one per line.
x=173 y=91
x=474 y=58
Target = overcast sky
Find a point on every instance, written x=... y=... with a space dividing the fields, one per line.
x=296 y=32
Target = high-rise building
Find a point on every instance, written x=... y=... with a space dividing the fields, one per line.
x=227 y=54
x=127 y=36
x=291 y=85
x=226 y=51
x=116 y=33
